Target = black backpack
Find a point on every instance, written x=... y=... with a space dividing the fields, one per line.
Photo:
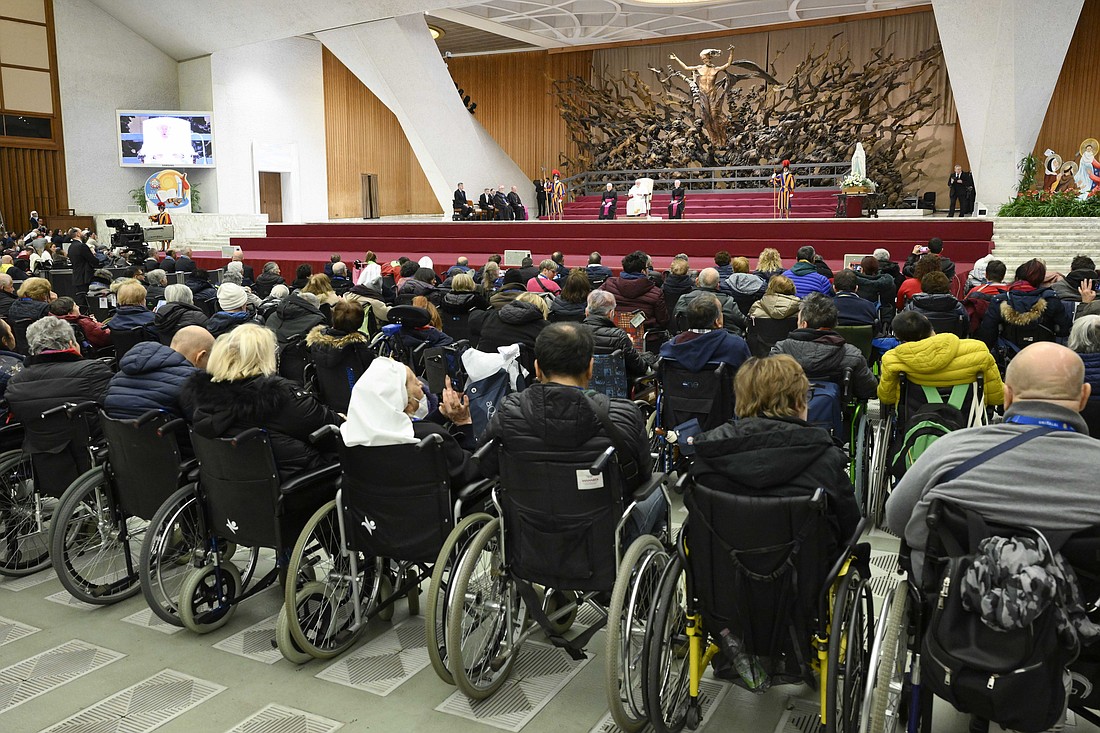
x=927 y=424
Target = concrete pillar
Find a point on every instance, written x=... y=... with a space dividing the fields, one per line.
x=1003 y=59
x=399 y=62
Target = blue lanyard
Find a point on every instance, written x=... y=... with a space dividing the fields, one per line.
x=1052 y=424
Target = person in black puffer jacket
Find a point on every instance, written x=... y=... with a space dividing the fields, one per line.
x=341 y=353
x=571 y=302
x=677 y=282
x=294 y=317
x=34 y=300
x=201 y=287
x=151 y=375
x=939 y=306
x=1025 y=305
x=462 y=297
x=770 y=449
x=241 y=390
x=609 y=338
x=1084 y=338
x=178 y=312
x=558 y=415
x=269 y=278
x=519 y=322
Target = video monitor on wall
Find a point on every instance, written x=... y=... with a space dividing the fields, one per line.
x=159 y=139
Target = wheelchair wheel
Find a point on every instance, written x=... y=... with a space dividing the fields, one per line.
x=439 y=591
x=290 y=651
x=206 y=596
x=91 y=558
x=878 y=479
x=321 y=593
x=172 y=539
x=887 y=671
x=485 y=617
x=24 y=539
x=862 y=442
x=554 y=602
x=666 y=664
x=849 y=655
x=632 y=598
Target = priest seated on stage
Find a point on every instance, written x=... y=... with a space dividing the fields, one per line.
x=640 y=194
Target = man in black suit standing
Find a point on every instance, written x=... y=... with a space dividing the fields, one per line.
x=463 y=210
x=84 y=264
x=961 y=185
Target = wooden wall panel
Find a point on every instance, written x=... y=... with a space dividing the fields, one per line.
x=363 y=136
x=1073 y=114
x=33 y=179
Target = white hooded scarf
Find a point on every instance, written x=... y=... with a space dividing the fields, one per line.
x=376 y=413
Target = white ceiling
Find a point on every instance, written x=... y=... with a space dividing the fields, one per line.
x=199 y=27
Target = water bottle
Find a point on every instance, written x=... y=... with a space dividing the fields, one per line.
x=747 y=665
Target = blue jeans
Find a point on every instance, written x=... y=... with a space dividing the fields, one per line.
x=645 y=517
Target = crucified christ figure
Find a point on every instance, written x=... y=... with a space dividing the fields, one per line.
x=709 y=95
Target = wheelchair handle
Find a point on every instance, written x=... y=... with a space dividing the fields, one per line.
x=148 y=417
x=432 y=439
x=55 y=410
x=483 y=450
x=323 y=432
x=601 y=462
x=73 y=410
x=169 y=427
x=246 y=435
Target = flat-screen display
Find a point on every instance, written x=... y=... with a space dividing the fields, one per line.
x=160 y=139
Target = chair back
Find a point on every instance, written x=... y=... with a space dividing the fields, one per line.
x=764 y=333
x=758 y=565
x=143 y=466
x=559 y=518
x=456 y=325
x=19 y=331
x=956 y=323
x=293 y=357
x=59 y=447
x=972 y=405
x=209 y=306
x=609 y=375
x=396 y=499
x=859 y=337
x=335 y=375
x=706 y=395
x=125 y=340
x=240 y=488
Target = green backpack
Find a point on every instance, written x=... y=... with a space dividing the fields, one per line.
x=927 y=424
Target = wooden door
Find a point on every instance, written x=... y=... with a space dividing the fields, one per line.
x=271 y=196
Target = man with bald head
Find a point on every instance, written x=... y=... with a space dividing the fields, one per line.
x=151 y=374
x=1047 y=483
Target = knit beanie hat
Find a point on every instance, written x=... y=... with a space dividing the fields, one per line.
x=231 y=296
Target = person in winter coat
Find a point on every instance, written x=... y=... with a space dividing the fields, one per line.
x=745 y=287
x=94 y=333
x=269 y=278
x=422 y=282
x=321 y=286
x=705 y=341
x=131 y=313
x=463 y=296
x=822 y=352
x=35 y=295
x=596 y=271
x=805 y=276
x=573 y=299
x=341 y=354
x=779 y=300
x=201 y=287
x=769 y=264
x=888 y=267
x=1068 y=289
x=10 y=363
x=519 y=322
x=707 y=284
x=388 y=407
x=877 y=286
x=1026 y=303
x=677 y=283
x=240 y=390
x=294 y=317
x=937 y=303
x=370 y=297
x=770 y=449
x=912 y=286
x=151 y=375
x=1084 y=338
x=934 y=246
x=559 y=415
x=722 y=263
x=634 y=291
x=178 y=312
x=234 y=311
x=852 y=310
x=936 y=360
x=511 y=288
x=609 y=338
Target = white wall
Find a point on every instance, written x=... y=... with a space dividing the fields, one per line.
x=196 y=90
x=269 y=115
x=104 y=66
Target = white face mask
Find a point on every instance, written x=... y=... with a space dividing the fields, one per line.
x=421 y=409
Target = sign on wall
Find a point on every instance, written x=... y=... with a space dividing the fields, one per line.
x=171 y=188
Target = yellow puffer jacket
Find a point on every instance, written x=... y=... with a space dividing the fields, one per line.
x=942 y=360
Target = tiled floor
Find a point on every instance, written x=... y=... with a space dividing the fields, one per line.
x=109 y=669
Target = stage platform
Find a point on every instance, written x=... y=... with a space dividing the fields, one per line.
x=292 y=244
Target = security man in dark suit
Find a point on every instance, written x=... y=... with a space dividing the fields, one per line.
x=961 y=185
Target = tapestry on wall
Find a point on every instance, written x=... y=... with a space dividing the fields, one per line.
x=728 y=112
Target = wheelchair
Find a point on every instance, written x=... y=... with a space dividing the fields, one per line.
x=55 y=450
x=885 y=421
x=569 y=543
x=389 y=341
x=848 y=422
x=239 y=500
x=102 y=518
x=756 y=573
x=895 y=699
x=394 y=523
x=682 y=395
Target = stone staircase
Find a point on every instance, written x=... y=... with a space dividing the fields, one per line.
x=1057 y=241
x=217 y=241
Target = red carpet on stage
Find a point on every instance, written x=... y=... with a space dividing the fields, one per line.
x=750 y=204
x=965 y=240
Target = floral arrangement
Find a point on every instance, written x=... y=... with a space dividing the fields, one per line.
x=853 y=180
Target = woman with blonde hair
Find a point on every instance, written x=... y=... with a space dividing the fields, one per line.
x=771 y=449
x=463 y=296
x=35 y=295
x=321 y=286
x=241 y=389
x=769 y=264
x=779 y=300
x=518 y=322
